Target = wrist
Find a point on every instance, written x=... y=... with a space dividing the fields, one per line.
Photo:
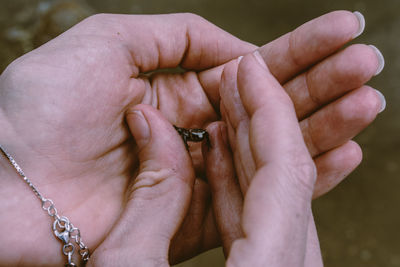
x=25 y=221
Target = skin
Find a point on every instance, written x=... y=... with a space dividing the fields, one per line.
x=62 y=115
x=272 y=214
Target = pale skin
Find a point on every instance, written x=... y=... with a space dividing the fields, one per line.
x=62 y=115
x=269 y=220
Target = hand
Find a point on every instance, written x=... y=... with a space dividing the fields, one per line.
x=62 y=116
x=264 y=216
x=158 y=198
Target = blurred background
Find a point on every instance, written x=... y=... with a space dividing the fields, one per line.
x=358 y=222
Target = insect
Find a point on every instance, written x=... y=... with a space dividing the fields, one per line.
x=193 y=135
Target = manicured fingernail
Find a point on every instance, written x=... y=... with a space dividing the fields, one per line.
x=239 y=59
x=139 y=127
x=381 y=60
x=361 y=21
x=260 y=59
x=383 y=100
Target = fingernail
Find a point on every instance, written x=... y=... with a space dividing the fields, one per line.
x=361 y=21
x=139 y=127
x=381 y=59
x=260 y=59
x=239 y=59
x=383 y=100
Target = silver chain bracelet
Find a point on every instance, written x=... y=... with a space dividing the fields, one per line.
x=62 y=228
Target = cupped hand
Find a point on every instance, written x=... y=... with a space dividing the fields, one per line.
x=62 y=116
x=267 y=218
x=248 y=98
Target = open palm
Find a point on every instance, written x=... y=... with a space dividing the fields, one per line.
x=63 y=106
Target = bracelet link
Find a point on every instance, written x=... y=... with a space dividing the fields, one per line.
x=69 y=255
x=62 y=228
x=64 y=225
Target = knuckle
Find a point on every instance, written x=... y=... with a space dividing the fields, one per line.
x=151 y=184
x=302 y=173
x=100 y=17
x=17 y=72
x=101 y=20
x=307 y=170
x=192 y=17
x=293 y=44
x=152 y=178
x=311 y=137
x=194 y=22
x=285 y=99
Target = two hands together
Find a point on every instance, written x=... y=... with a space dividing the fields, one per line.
x=289 y=111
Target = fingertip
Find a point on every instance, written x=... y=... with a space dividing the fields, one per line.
x=217 y=134
x=143 y=109
x=360 y=107
x=354 y=151
x=361 y=22
x=228 y=78
x=260 y=60
x=207 y=147
x=138 y=126
x=365 y=57
x=335 y=165
x=219 y=150
x=155 y=136
x=373 y=104
x=252 y=60
x=257 y=87
x=231 y=106
x=346 y=23
x=133 y=108
x=359 y=60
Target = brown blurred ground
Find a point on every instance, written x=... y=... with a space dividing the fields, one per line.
x=359 y=221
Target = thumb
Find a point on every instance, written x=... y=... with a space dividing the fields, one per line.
x=160 y=193
x=158 y=197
